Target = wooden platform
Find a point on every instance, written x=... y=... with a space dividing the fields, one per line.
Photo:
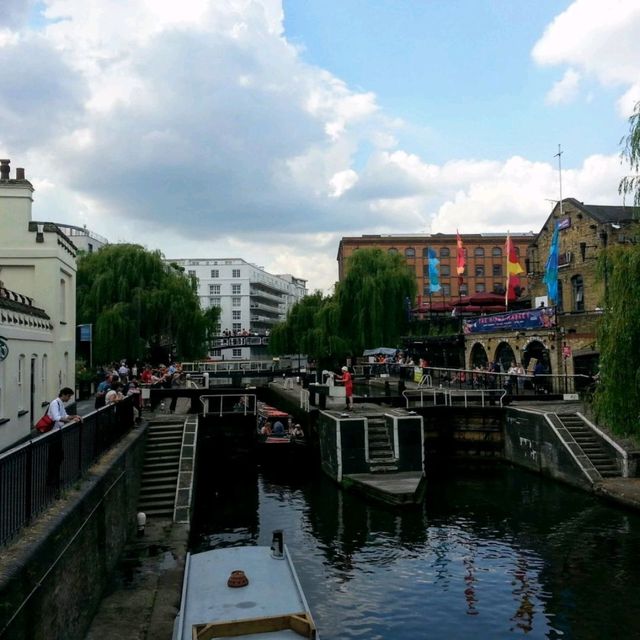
x=399 y=488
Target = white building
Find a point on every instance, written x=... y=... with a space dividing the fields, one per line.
x=251 y=301
x=37 y=310
x=84 y=239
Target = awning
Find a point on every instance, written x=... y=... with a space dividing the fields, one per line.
x=385 y=351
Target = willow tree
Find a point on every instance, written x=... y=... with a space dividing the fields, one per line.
x=311 y=328
x=373 y=299
x=617 y=399
x=138 y=305
x=630 y=185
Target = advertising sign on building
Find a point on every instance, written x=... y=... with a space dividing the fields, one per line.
x=544 y=318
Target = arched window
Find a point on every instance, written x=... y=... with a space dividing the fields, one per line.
x=393 y=250
x=425 y=252
x=496 y=252
x=577 y=288
x=444 y=252
x=478 y=252
x=410 y=252
x=559 y=302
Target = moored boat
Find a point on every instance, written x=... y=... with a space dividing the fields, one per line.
x=243 y=592
x=277 y=434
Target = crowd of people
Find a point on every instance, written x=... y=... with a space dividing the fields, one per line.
x=119 y=380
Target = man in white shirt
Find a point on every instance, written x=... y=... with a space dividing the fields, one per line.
x=57 y=411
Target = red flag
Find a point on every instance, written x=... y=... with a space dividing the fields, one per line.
x=461 y=256
x=513 y=270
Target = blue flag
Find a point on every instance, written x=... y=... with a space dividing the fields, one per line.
x=434 y=273
x=551 y=268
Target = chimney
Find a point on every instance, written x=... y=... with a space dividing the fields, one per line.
x=19 y=173
x=4 y=169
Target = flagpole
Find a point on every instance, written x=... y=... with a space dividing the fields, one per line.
x=506 y=293
x=559 y=156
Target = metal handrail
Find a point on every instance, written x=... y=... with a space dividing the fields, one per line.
x=34 y=473
x=229 y=402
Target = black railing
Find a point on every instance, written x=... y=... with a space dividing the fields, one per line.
x=33 y=474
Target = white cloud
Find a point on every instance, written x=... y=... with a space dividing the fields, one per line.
x=597 y=38
x=566 y=89
x=197 y=129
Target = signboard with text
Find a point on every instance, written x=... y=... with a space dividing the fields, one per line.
x=544 y=318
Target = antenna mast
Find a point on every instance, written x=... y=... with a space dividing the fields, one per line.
x=559 y=156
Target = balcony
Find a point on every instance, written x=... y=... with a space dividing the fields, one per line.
x=270 y=310
x=265 y=294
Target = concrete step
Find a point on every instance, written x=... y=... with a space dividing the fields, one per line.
x=154 y=498
x=154 y=482
x=167 y=488
x=382 y=468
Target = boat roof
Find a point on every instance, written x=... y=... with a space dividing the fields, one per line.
x=271 y=412
x=273 y=590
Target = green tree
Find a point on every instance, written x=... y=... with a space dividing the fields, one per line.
x=631 y=154
x=373 y=299
x=139 y=305
x=617 y=400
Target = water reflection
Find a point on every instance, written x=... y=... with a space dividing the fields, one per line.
x=492 y=553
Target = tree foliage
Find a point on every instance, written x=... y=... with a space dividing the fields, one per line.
x=617 y=400
x=631 y=153
x=368 y=309
x=138 y=305
x=372 y=299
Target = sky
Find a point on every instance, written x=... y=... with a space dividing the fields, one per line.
x=269 y=129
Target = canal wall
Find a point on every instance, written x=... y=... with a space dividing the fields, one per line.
x=53 y=577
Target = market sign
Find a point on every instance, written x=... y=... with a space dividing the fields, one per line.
x=544 y=318
x=565 y=223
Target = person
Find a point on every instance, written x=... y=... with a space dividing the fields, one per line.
x=266 y=429
x=240 y=406
x=114 y=395
x=102 y=389
x=57 y=411
x=348 y=387
x=134 y=391
x=297 y=431
x=278 y=428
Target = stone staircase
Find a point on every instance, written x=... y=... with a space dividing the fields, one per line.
x=160 y=471
x=381 y=455
x=590 y=443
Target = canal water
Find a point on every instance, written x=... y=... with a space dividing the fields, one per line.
x=494 y=552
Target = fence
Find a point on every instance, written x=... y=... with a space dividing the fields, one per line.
x=33 y=474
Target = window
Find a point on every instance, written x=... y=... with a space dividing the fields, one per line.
x=410 y=252
x=236 y=289
x=444 y=252
x=478 y=252
x=236 y=315
x=215 y=273
x=498 y=289
x=559 y=302
x=426 y=291
x=497 y=270
x=392 y=250
x=236 y=353
x=425 y=252
x=496 y=252
x=235 y=273
x=214 y=289
x=463 y=290
x=216 y=353
x=63 y=300
x=446 y=290
x=445 y=270
x=215 y=302
x=236 y=326
x=479 y=269
x=480 y=288
x=577 y=286
x=236 y=302
x=192 y=274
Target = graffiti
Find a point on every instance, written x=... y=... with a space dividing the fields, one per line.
x=528 y=448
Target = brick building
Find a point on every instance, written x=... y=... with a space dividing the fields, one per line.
x=485 y=269
x=585 y=230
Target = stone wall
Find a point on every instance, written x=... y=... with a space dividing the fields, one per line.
x=53 y=577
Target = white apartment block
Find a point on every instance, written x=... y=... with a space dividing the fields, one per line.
x=85 y=240
x=251 y=300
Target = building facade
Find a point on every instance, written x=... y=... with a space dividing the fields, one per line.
x=85 y=240
x=485 y=268
x=250 y=299
x=37 y=309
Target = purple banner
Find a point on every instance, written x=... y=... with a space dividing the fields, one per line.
x=544 y=318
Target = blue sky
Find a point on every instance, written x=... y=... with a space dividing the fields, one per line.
x=269 y=129
x=460 y=74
